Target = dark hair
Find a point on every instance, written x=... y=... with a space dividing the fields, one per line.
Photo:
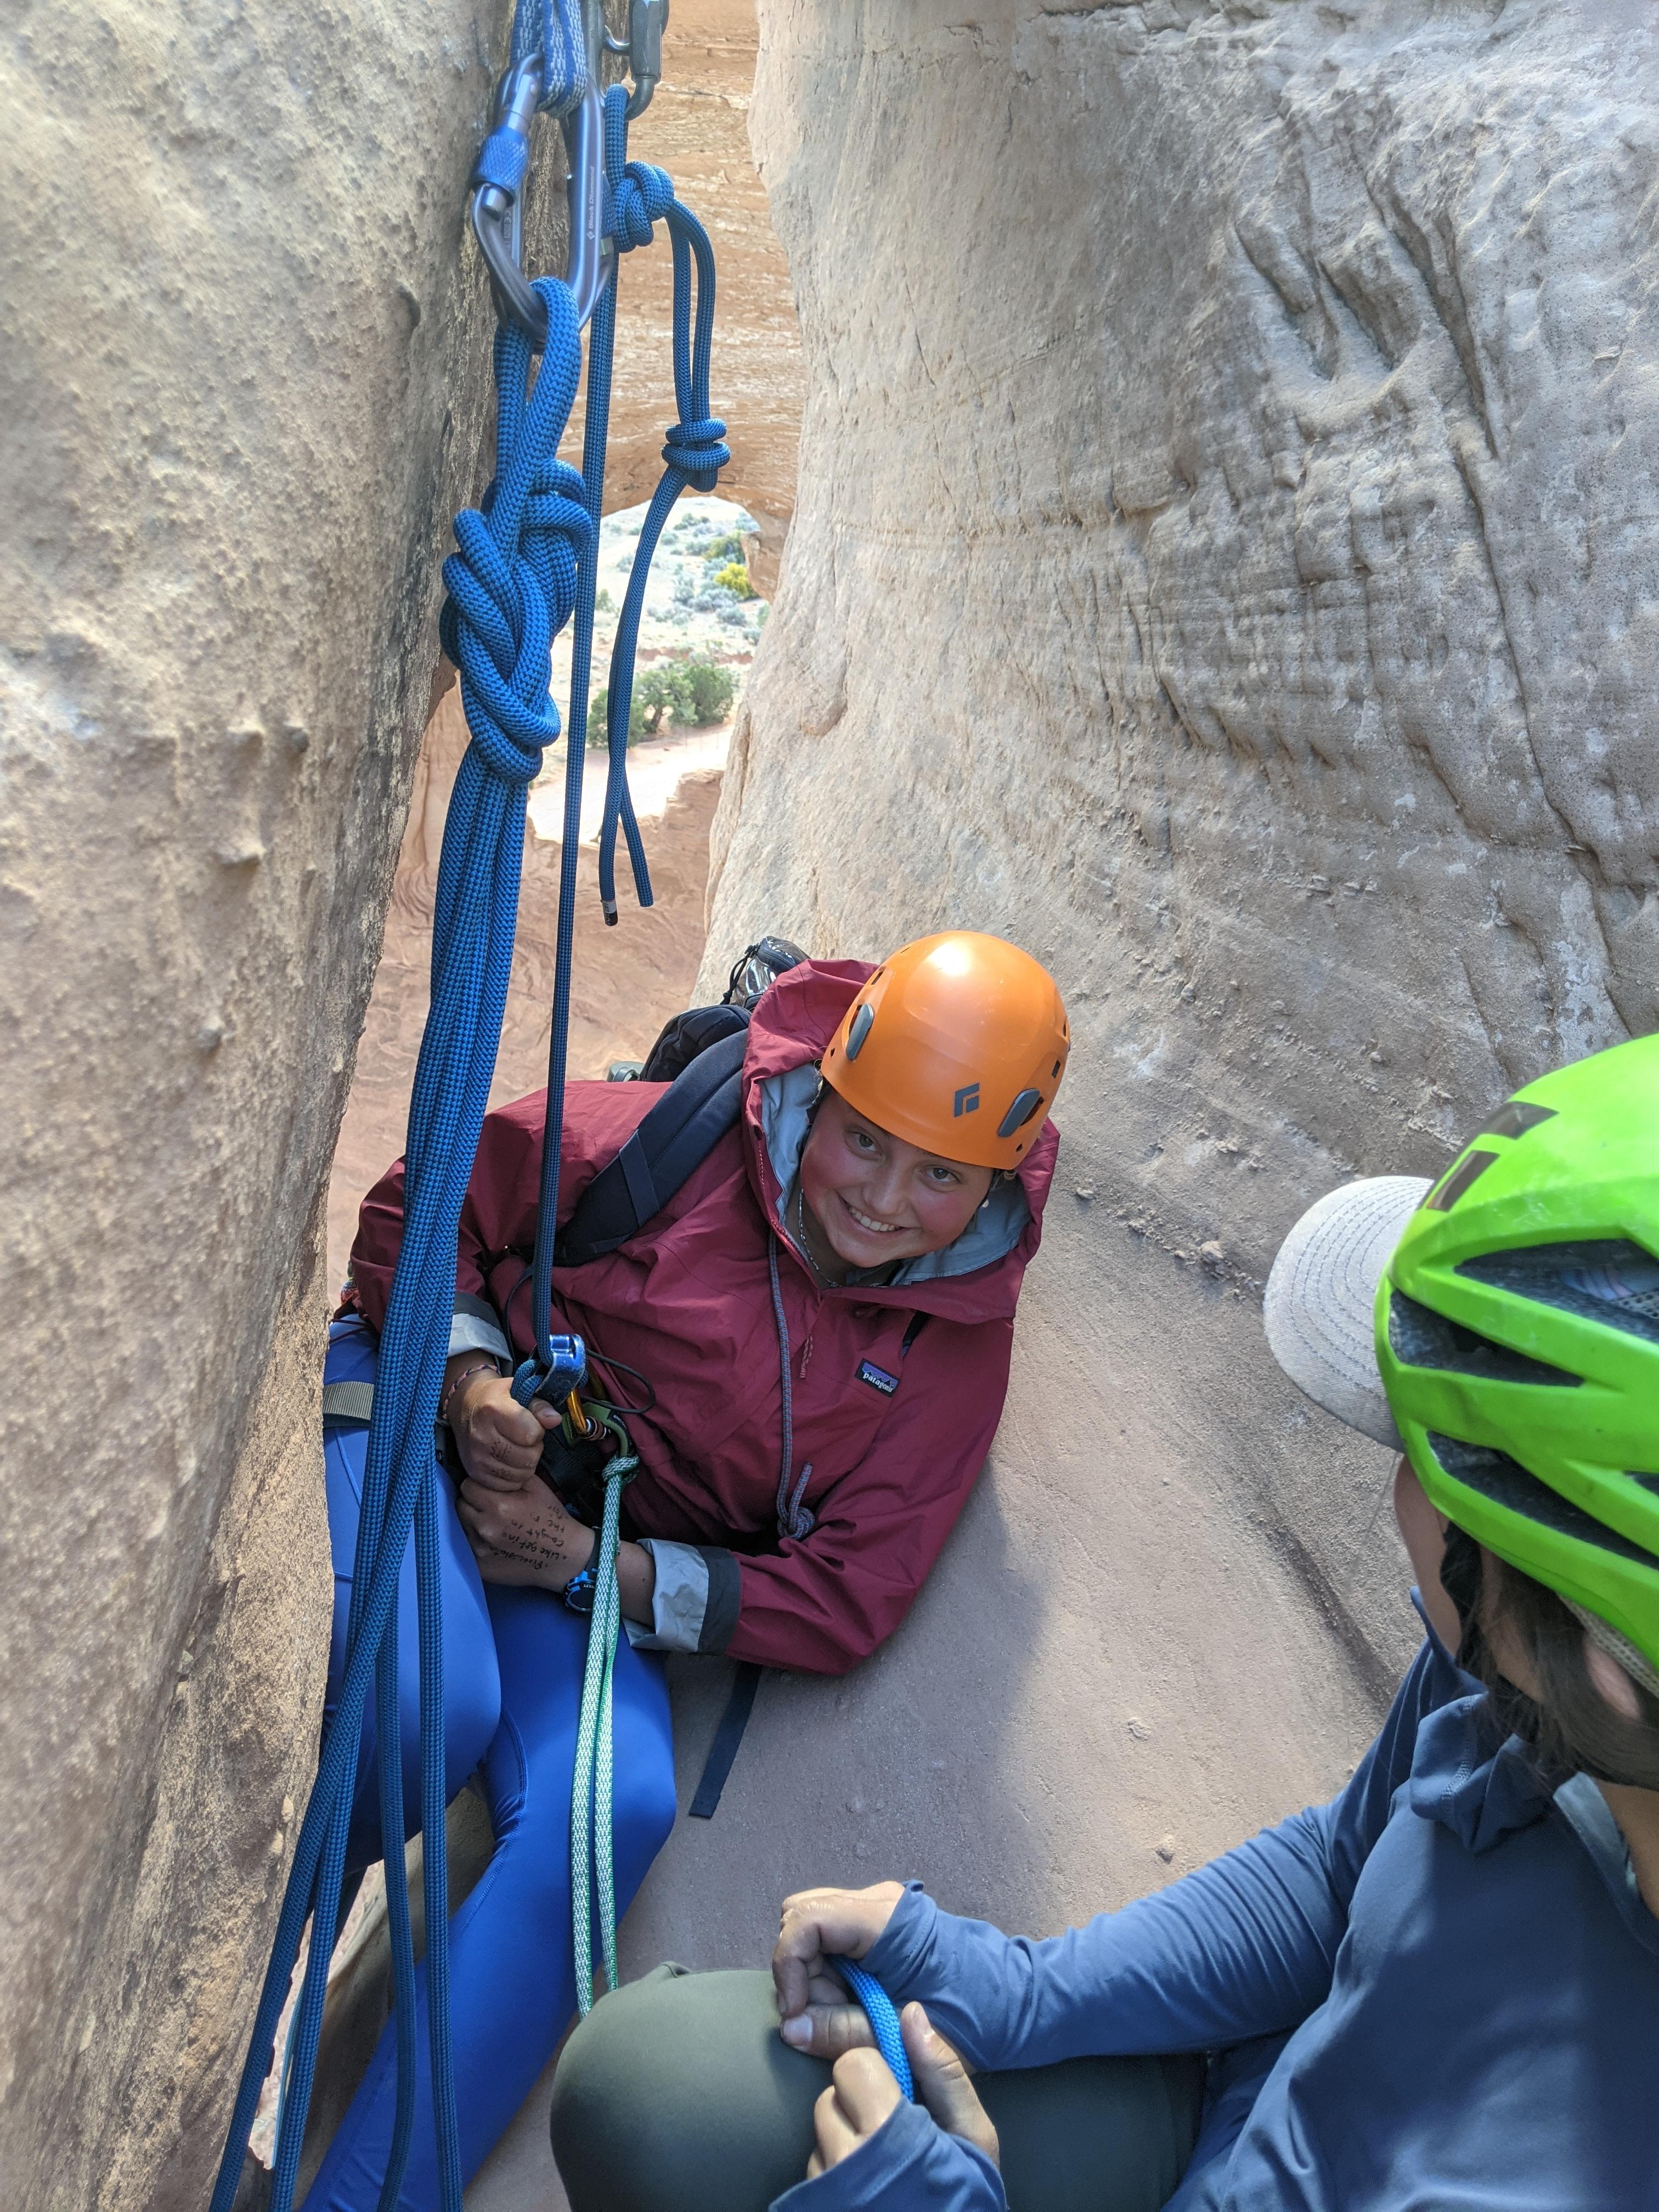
x=1570 y=1728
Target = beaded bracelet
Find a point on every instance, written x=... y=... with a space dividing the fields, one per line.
x=478 y=1367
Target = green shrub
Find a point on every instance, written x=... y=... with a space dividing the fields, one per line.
x=604 y=605
x=690 y=693
x=663 y=694
x=712 y=692
x=729 y=548
x=598 y=735
x=734 y=578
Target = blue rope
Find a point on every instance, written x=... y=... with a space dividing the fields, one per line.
x=525 y=561
x=696 y=451
x=883 y=2015
x=512 y=585
x=695 y=454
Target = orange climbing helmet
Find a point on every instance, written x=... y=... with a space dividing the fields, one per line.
x=957 y=1044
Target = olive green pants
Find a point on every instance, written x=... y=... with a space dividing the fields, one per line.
x=677 y=2094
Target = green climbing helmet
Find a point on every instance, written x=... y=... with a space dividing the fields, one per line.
x=1517 y=1331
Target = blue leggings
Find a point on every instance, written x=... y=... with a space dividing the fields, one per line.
x=513 y=1670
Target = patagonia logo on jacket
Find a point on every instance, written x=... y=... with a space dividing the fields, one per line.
x=878 y=1378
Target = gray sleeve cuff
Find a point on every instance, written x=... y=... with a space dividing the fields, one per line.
x=693 y=1606
x=475 y=1328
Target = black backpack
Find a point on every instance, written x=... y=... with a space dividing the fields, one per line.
x=699 y=1055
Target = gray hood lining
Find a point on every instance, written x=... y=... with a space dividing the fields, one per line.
x=786 y=1102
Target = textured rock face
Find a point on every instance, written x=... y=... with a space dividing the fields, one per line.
x=243 y=385
x=1222 y=563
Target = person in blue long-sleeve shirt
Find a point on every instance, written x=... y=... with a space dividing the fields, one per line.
x=1437 y=1993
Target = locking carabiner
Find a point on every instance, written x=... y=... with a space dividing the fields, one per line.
x=497 y=200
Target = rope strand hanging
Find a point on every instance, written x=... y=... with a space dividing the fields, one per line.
x=524 y=566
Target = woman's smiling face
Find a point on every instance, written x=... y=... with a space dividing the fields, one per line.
x=877 y=1200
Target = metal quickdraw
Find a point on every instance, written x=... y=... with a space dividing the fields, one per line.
x=497 y=179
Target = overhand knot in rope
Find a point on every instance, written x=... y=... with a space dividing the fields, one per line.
x=699 y=450
x=642 y=195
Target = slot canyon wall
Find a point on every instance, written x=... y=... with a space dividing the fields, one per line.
x=1223 y=561
x=243 y=382
x=697 y=129
x=245 y=385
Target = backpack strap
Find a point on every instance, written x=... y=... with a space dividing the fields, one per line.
x=348 y=1404
x=728 y=1737
x=677 y=1136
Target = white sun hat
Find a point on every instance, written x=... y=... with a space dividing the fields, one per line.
x=1321 y=1294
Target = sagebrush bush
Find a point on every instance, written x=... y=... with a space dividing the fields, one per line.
x=690 y=693
x=598 y=709
x=713 y=689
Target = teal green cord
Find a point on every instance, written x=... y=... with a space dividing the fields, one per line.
x=592 y=1868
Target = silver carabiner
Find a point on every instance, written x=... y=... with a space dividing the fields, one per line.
x=497 y=211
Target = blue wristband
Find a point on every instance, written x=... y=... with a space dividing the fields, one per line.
x=582 y=1590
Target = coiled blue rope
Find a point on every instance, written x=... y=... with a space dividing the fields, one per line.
x=883 y=2015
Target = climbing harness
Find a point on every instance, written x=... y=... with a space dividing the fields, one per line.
x=524 y=565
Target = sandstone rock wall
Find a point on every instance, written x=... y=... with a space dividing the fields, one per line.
x=1224 y=562
x=242 y=390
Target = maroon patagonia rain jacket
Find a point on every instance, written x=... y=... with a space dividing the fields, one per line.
x=889 y=1434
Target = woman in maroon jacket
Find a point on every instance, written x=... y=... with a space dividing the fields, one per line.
x=819 y=1326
